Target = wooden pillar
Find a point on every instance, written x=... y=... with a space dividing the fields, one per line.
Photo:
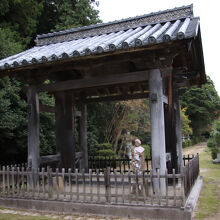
x=157 y=129
x=170 y=126
x=64 y=129
x=33 y=132
x=83 y=137
x=178 y=132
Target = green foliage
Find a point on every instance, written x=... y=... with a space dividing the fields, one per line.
x=13 y=121
x=21 y=16
x=214 y=140
x=99 y=115
x=20 y=22
x=66 y=14
x=9 y=43
x=187 y=143
x=186 y=129
x=76 y=13
x=147 y=151
x=202 y=107
x=105 y=150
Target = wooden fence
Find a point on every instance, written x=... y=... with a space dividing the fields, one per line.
x=190 y=172
x=103 y=187
x=123 y=164
x=120 y=164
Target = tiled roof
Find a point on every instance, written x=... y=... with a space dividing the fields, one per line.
x=154 y=28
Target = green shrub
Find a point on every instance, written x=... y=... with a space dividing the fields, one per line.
x=211 y=143
x=106 y=153
x=214 y=140
x=187 y=143
x=105 y=150
x=147 y=150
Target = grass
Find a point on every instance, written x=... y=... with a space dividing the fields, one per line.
x=22 y=217
x=209 y=201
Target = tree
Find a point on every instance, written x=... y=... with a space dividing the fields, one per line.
x=13 y=122
x=20 y=22
x=65 y=14
x=186 y=129
x=203 y=106
x=21 y=17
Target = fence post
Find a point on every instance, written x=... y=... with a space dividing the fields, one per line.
x=183 y=185
x=107 y=184
x=50 y=189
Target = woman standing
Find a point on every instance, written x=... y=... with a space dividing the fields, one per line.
x=137 y=161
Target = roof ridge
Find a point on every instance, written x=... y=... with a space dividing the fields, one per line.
x=99 y=25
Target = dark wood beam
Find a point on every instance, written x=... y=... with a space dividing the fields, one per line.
x=33 y=132
x=64 y=129
x=51 y=109
x=83 y=136
x=95 y=82
x=118 y=98
x=49 y=159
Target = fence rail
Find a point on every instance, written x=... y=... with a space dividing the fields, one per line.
x=120 y=164
x=190 y=172
x=102 y=186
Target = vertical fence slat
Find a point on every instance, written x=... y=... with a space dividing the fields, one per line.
x=13 y=180
x=64 y=182
x=77 y=185
x=107 y=184
x=166 y=179
x=129 y=185
x=174 y=186
x=18 y=181
x=3 y=180
x=159 y=190
x=49 y=182
x=182 y=185
x=33 y=183
x=8 y=180
x=84 y=185
x=152 y=187
x=43 y=182
x=98 y=185
x=70 y=183
x=90 y=185
x=38 y=182
x=123 y=187
x=137 y=187
x=57 y=183
x=22 y=181
x=144 y=185
x=116 y=186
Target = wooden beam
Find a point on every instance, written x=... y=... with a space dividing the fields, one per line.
x=33 y=132
x=64 y=129
x=118 y=98
x=51 y=109
x=83 y=137
x=178 y=128
x=47 y=108
x=157 y=130
x=170 y=123
x=95 y=82
x=49 y=159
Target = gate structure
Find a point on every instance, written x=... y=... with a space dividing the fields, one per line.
x=150 y=56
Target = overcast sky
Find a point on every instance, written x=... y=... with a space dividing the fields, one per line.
x=208 y=11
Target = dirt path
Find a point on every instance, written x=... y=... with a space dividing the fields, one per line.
x=198 y=148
